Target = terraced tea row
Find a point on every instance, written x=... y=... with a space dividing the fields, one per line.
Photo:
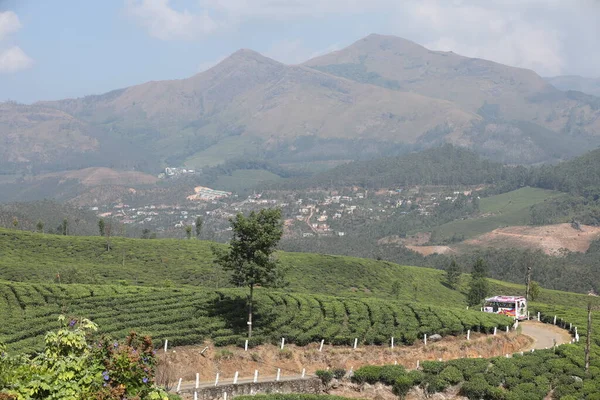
x=190 y=316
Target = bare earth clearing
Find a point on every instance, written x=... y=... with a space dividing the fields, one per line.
x=96 y=176
x=551 y=239
x=186 y=361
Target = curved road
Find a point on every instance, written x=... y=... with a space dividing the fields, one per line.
x=544 y=335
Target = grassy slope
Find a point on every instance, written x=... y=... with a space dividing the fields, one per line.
x=226 y=149
x=244 y=179
x=498 y=211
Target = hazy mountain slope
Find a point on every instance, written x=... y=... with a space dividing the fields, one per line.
x=589 y=86
x=248 y=94
x=37 y=135
x=523 y=112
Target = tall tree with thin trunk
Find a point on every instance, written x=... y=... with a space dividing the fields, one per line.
x=250 y=255
x=65 y=226
x=188 y=231
x=199 y=223
x=40 y=226
x=588 y=339
x=478 y=288
x=101 y=226
x=453 y=274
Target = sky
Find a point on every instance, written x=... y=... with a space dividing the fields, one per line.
x=72 y=48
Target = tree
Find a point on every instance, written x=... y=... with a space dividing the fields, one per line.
x=453 y=274
x=64 y=226
x=534 y=290
x=40 y=226
x=199 y=223
x=15 y=222
x=478 y=288
x=188 y=231
x=145 y=233
x=101 y=226
x=249 y=256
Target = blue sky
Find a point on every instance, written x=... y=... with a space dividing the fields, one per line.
x=55 y=49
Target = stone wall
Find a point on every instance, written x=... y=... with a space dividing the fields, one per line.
x=307 y=385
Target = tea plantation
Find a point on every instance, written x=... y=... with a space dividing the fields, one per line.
x=185 y=316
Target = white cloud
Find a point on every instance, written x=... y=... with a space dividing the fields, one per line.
x=9 y=23
x=550 y=36
x=505 y=32
x=165 y=23
x=12 y=58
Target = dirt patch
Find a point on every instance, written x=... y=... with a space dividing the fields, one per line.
x=97 y=176
x=418 y=239
x=551 y=239
x=428 y=250
x=186 y=361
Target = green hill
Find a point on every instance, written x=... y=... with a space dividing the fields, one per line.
x=506 y=209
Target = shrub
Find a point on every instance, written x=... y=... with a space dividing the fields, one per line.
x=367 y=374
x=223 y=354
x=402 y=385
x=325 y=376
x=432 y=367
x=475 y=389
x=286 y=354
x=389 y=373
x=339 y=373
x=452 y=375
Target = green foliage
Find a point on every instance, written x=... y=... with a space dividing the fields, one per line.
x=292 y=396
x=101 y=227
x=339 y=373
x=325 y=375
x=453 y=274
x=198 y=225
x=71 y=369
x=478 y=287
x=187 y=316
x=534 y=290
x=188 y=232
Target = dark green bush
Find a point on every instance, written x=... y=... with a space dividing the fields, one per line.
x=339 y=373
x=403 y=385
x=367 y=374
x=325 y=376
x=432 y=367
x=475 y=389
x=389 y=373
x=452 y=375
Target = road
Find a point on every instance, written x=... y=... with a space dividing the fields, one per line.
x=544 y=335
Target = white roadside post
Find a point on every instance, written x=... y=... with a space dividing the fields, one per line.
x=355 y=342
x=495 y=331
x=225 y=396
x=195 y=395
x=246 y=345
x=555 y=320
x=507 y=328
x=255 y=375
x=321 y=346
x=425 y=339
x=217 y=379
x=278 y=374
x=197 y=380
x=417 y=364
x=303 y=372
x=235 y=377
x=282 y=343
x=179 y=385
x=469 y=334
x=392 y=342
x=166 y=344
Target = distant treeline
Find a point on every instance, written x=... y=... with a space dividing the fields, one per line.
x=576 y=272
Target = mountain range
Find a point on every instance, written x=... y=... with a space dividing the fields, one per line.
x=382 y=95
